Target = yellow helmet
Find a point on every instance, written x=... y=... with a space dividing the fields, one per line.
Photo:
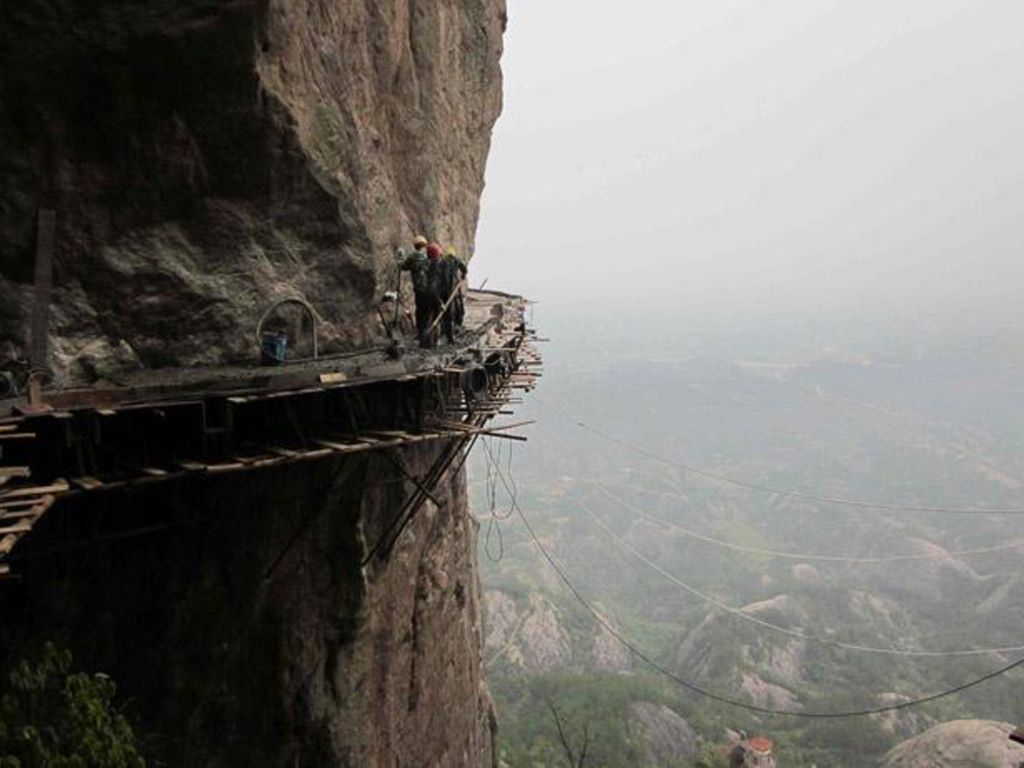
x=420 y=241
x=450 y=251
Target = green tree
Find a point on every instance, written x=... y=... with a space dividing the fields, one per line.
x=53 y=718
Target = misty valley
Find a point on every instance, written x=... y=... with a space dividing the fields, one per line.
x=887 y=416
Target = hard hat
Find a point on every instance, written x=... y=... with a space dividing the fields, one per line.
x=450 y=251
x=419 y=241
x=434 y=251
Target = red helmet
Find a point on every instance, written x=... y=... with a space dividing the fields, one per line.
x=434 y=251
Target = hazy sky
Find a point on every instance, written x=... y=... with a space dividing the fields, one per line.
x=754 y=155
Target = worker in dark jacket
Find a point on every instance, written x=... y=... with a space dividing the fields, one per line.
x=435 y=295
x=456 y=273
x=417 y=264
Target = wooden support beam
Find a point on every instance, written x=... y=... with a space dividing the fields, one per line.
x=317 y=453
x=16 y=528
x=344 y=447
x=18 y=515
x=215 y=469
x=17 y=504
x=58 y=486
x=87 y=483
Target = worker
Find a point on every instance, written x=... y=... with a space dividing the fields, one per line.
x=417 y=264
x=456 y=274
x=435 y=295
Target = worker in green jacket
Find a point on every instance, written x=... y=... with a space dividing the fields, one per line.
x=418 y=265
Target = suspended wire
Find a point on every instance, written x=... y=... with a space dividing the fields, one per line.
x=741 y=614
x=708 y=694
x=493 y=529
x=798 y=555
x=791 y=494
x=495 y=552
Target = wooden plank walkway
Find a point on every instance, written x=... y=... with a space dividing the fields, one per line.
x=82 y=430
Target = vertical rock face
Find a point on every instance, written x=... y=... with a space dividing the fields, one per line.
x=242 y=629
x=205 y=157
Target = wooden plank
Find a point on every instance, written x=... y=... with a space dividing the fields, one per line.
x=59 y=486
x=87 y=483
x=333 y=378
x=317 y=453
x=267 y=461
x=153 y=471
x=17 y=528
x=345 y=447
x=15 y=472
x=218 y=468
x=287 y=453
x=192 y=466
x=11 y=515
x=18 y=436
x=7 y=543
x=7 y=428
x=256 y=460
x=19 y=503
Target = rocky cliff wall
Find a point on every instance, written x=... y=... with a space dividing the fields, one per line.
x=242 y=630
x=205 y=157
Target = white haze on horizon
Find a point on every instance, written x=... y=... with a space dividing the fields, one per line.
x=752 y=158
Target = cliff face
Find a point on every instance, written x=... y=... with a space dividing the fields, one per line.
x=237 y=619
x=205 y=157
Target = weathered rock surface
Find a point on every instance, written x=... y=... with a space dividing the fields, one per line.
x=959 y=744
x=206 y=157
x=530 y=636
x=667 y=738
x=608 y=654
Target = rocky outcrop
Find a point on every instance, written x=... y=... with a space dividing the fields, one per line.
x=206 y=157
x=975 y=743
x=666 y=738
x=765 y=694
x=608 y=654
x=530 y=637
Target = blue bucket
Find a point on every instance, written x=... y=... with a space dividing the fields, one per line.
x=273 y=348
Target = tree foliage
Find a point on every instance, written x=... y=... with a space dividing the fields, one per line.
x=51 y=717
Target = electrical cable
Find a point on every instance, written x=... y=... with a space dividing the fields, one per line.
x=798 y=555
x=741 y=614
x=497 y=517
x=722 y=699
x=792 y=494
